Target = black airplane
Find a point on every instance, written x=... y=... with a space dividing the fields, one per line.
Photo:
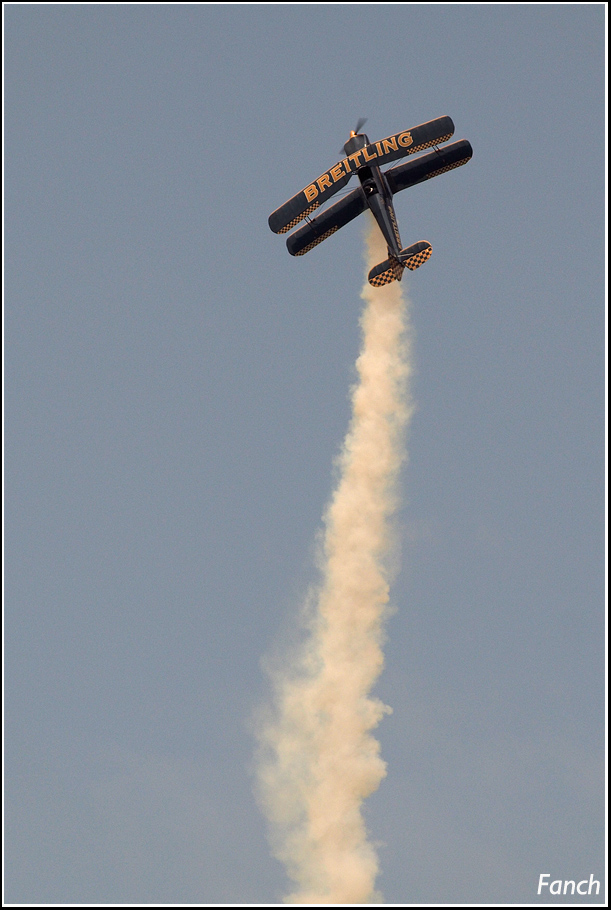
x=375 y=192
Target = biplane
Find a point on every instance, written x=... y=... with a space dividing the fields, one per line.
x=375 y=192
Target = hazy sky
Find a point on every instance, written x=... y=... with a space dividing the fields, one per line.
x=176 y=392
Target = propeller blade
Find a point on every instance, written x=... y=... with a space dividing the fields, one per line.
x=360 y=124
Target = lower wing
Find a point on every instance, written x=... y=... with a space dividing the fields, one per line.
x=330 y=221
x=429 y=165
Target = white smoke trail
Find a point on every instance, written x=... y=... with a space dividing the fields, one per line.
x=318 y=759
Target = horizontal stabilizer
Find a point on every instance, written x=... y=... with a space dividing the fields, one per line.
x=392 y=269
x=429 y=165
x=327 y=223
x=385 y=272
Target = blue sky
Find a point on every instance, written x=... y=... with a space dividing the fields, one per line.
x=176 y=391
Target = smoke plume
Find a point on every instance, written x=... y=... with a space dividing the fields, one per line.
x=318 y=759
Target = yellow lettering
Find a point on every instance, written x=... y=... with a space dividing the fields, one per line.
x=405 y=139
x=390 y=145
x=337 y=172
x=355 y=157
x=379 y=148
x=311 y=192
x=368 y=157
x=323 y=182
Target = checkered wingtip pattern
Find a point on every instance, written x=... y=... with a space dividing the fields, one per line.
x=448 y=167
x=318 y=240
x=427 y=145
x=295 y=221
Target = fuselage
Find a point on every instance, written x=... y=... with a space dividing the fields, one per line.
x=377 y=195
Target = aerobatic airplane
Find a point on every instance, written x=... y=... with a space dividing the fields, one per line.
x=375 y=192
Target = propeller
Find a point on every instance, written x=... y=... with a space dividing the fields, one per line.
x=359 y=125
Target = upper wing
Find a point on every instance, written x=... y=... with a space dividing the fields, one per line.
x=386 y=150
x=330 y=221
x=429 y=165
x=407 y=143
x=304 y=203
